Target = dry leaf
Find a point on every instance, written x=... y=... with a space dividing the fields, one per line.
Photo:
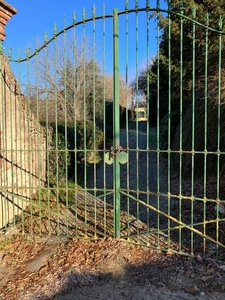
x=207 y=278
x=191 y=289
x=86 y=256
x=199 y=258
x=211 y=271
x=169 y=253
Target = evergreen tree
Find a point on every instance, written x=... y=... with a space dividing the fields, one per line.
x=180 y=36
x=189 y=74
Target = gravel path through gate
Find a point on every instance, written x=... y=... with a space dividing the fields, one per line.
x=141 y=173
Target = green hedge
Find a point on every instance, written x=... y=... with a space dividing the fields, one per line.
x=68 y=144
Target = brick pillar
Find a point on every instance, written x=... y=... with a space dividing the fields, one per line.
x=6 y=12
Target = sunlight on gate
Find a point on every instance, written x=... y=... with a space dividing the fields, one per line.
x=115 y=133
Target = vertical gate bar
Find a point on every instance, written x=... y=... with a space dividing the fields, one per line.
x=3 y=202
x=94 y=112
x=104 y=114
x=85 y=118
x=75 y=118
x=29 y=139
x=158 y=123
x=12 y=149
x=205 y=128
x=3 y=143
x=16 y=153
x=127 y=117
x=56 y=130
x=148 y=125
x=193 y=131
x=20 y=137
x=169 y=124
x=38 y=125
x=29 y=128
x=116 y=122
x=47 y=127
x=219 y=130
x=65 y=123
x=46 y=62
x=181 y=127
x=137 y=114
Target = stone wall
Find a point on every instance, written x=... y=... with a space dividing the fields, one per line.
x=22 y=149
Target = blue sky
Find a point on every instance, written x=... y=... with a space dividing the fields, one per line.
x=36 y=17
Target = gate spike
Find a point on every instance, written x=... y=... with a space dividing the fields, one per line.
x=45 y=37
x=94 y=11
x=10 y=52
x=28 y=51
x=74 y=17
x=181 y=7
x=64 y=22
x=55 y=29
x=84 y=14
x=194 y=12
x=207 y=19
x=136 y=4
x=19 y=55
x=158 y=4
x=220 y=22
x=103 y=9
x=37 y=45
x=1 y=48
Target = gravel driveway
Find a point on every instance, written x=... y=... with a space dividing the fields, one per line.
x=139 y=175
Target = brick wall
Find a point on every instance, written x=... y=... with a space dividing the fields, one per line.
x=22 y=148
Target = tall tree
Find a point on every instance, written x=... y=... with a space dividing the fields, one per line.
x=67 y=83
x=180 y=36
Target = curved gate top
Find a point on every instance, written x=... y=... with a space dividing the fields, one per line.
x=113 y=127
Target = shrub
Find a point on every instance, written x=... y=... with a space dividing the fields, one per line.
x=204 y=134
x=71 y=146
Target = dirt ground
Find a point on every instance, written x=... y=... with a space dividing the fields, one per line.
x=53 y=268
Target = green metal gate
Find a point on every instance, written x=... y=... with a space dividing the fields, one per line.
x=106 y=173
